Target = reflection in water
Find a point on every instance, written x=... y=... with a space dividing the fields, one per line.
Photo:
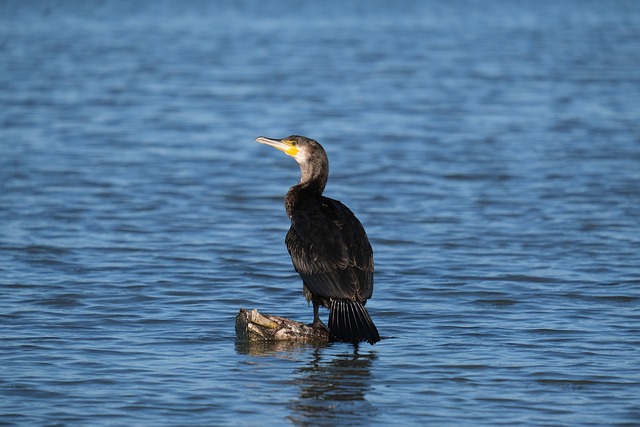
x=333 y=389
x=265 y=348
x=332 y=385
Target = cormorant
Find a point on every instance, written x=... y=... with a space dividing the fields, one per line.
x=328 y=246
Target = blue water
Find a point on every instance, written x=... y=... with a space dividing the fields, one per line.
x=492 y=152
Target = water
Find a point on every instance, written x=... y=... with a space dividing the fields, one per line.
x=492 y=153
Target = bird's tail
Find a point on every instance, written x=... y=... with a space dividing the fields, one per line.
x=349 y=321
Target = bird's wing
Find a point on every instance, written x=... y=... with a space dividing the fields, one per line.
x=330 y=250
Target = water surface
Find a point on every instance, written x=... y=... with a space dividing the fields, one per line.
x=492 y=153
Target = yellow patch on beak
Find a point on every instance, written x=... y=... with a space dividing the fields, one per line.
x=292 y=150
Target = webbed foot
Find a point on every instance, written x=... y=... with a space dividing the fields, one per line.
x=317 y=324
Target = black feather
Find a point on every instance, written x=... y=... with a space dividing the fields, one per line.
x=349 y=321
x=330 y=250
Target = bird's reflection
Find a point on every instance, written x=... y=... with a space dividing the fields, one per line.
x=333 y=387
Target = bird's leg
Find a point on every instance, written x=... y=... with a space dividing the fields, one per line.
x=317 y=323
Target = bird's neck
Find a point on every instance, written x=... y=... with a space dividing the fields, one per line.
x=312 y=183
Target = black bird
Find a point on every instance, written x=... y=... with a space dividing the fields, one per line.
x=328 y=246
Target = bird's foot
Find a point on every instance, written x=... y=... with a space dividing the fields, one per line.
x=317 y=324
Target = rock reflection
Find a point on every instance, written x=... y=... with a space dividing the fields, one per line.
x=333 y=389
x=265 y=348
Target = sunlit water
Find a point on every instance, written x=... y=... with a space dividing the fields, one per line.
x=491 y=151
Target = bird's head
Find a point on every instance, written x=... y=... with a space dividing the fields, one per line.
x=301 y=148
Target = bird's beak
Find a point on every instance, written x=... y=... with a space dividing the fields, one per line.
x=281 y=144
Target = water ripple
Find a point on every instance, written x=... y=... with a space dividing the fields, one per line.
x=491 y=154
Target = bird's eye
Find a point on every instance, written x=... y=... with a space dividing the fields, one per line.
x=294 y=142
